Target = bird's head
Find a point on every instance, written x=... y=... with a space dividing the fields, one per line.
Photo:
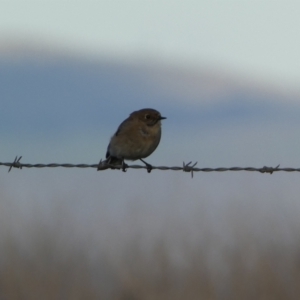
x=148 y=115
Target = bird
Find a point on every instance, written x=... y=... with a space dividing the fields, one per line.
x=136 y=138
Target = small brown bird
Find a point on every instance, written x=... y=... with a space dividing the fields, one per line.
x=136 y=138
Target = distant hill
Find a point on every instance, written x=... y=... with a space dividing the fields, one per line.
x=50 y=91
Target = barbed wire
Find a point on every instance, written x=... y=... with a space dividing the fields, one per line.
x=189 y=167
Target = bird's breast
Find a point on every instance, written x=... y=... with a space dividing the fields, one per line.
x=137 y=142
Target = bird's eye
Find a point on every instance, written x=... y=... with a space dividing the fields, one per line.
x=147 y=117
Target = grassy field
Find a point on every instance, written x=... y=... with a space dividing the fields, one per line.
x=49 y=265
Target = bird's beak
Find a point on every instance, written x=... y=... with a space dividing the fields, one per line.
x=162 y=118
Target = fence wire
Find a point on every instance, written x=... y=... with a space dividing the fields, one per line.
x=189 y=167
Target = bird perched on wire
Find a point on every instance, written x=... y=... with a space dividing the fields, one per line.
x=136 y=138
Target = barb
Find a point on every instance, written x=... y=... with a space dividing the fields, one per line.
x=268 y=169
x=16 y=163
x=189 y=167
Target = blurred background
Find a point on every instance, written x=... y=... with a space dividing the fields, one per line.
x=226 y=75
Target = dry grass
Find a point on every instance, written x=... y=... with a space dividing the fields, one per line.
x=47 y=271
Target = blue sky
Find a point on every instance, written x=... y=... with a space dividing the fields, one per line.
x=256 y=39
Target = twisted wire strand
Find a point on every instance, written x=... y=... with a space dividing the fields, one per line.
x=189 y=167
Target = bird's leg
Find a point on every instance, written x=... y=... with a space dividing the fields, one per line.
x=149 y=167
x=124 y=166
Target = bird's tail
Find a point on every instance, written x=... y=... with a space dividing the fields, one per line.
x=110 y=163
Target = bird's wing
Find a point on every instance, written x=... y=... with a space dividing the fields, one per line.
x=124 y=126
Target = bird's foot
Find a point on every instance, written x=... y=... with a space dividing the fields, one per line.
x=124 y=166
x=148 y=166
